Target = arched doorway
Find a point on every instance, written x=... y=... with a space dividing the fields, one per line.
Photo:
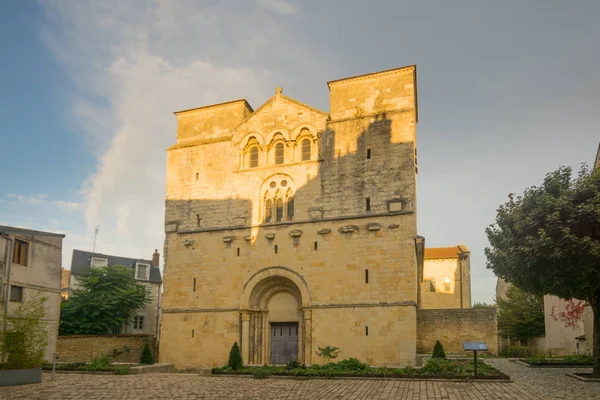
x=272 y=317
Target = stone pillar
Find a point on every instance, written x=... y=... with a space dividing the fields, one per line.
x=307 y=339
x=245 y=346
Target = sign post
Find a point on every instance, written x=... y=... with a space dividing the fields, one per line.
x=474 y=347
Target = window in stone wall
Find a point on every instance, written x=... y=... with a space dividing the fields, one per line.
x=138 y=322
x=268 y=210
x=279 y=153
x=290 y=208
x=20 y=252
x=305 y=150
x=279 y=210
x=16 y=293
x=253 y=154
x=432 y=285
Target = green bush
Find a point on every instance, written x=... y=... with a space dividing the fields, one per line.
x=98 y=364
x=261 y=373
x=352 y=364
x=517 y=352
x=293 y=365
x=147 y=356
x=579 y=359
x=235 y=358
x=438 y=350
x=439 y=366
x=121 y=369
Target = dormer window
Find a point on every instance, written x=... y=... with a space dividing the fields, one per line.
x=142 y=271
x=96 y=262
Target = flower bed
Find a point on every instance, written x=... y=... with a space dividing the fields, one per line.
x=435 y=368
x=581 y=360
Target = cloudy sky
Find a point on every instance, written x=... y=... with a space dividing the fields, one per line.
x=507 y=92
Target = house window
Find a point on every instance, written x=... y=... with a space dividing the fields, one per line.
x=20 y=253
x=279 y=153
x=305 y=150
x=253 y=157
x=432 y=285
x=268 y=210
x=138 y=322
x=290 y=208
x=142 y=271
x=16 y=293
x=279 y=210
x=98 y=262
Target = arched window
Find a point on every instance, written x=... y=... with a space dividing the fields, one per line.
x=253 y=162
x=305 y=150
x=268 y=210
x=279 y=153
x=279 y=210
x=290 y=208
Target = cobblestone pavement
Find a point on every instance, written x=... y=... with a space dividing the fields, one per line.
x=529 y=384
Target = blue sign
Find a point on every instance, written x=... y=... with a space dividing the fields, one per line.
x=475 y=346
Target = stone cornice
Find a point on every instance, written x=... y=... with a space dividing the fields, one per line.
x=218 y=105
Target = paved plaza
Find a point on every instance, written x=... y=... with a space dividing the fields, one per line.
x=529 y=384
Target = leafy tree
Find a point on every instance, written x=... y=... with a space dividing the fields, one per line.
x=547 y=241
x=108 y=299
x=481 y=304
x=26 y=337
x=438 y=350
x=520 y=315
x=235 y=358
x=147 y=356
x=327 y=353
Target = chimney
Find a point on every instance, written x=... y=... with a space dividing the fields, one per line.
x=155 y=258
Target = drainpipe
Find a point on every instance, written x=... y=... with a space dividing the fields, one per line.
x=6 y=293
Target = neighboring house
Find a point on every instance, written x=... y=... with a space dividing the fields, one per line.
x=446 y=278
x=64 y=283
x=30 y=267
x=146 y=272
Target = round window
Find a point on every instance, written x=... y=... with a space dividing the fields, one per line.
x=284 y=183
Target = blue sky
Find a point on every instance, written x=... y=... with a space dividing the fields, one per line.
x=508 y=91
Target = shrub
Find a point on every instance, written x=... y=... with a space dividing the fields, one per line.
x=293 y=365
x=517 y=352
x=352 y=364
x=147 y=356
x=235 y=358
x=261 y=373
x=327 y=353
x=438 y=350
x=439 y=366
x=98 y=364
x=121 y=370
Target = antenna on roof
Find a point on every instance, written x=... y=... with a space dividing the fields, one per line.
x=95 y=236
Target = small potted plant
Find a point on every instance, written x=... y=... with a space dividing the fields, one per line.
x=23 y=343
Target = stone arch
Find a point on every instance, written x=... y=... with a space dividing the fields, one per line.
x=285 y=134
x=296 y=134
x=252 y=135
x=268 y=281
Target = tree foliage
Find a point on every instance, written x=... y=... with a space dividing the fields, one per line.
x=26 y=337
x=481 y=304
x=147 y=356
x=438 y=350
x=520 y=315
x=327 y=353
x=108 y=299
x=547 y=241
x=235 y=358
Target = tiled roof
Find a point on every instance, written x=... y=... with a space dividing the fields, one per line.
x=80 y=265
x=433 y=253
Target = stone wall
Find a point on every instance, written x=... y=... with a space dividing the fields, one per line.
x=453 y=327
x=84 y=348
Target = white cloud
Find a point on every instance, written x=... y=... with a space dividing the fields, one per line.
x=33 y=199
x=70 y=205
x=134 y=63
x=278 y=6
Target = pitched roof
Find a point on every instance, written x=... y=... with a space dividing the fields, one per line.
x=22 y=231
x=80 y=264
x=433 y=253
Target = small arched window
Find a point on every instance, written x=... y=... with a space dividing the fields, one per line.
x=279 y=210
x=268 y=210
x=279 y=153
x=253 y=157
x=290 y=208
x=305 y=150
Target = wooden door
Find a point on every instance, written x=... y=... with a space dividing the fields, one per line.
x=284 y=342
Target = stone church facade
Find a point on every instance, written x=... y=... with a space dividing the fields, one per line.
x=289 y=228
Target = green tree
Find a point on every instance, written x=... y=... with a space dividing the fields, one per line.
x=26 y=337
x=481 y=304
x=235 y=358
x=520 y=315
x=108 y=299
x=327 y=353
x=547 y=241
x=438 y=350
x=147 y=356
